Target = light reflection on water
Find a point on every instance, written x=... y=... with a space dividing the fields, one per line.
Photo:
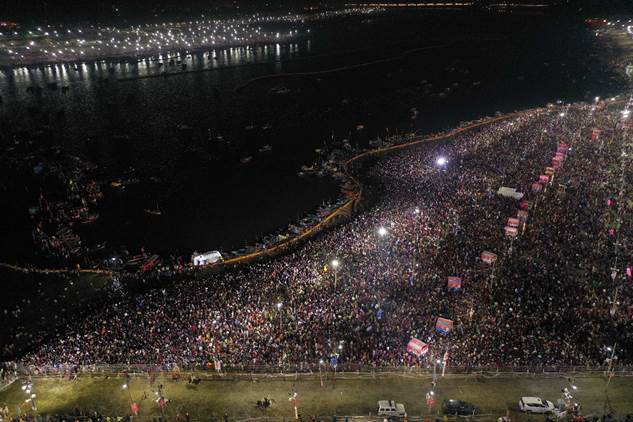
x=68 y=74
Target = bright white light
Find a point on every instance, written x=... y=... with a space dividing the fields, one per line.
x=597 y=99
x=124 y=386
x=335 y=263
x=382 y=231
x=417 y=210
x=562 y=115
x=441 y=161
x=279 y=305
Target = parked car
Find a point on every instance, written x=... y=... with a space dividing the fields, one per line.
x=389 y=408
x=536 y=405
x=459 y=407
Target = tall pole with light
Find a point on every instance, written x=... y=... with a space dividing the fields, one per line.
x=335 y=264
x=279 y=306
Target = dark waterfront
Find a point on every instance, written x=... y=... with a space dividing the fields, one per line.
x=160 y=132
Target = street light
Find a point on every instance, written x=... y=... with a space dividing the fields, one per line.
x=279 y=305
x=335 y=264
x=382 y=231
x=441 y=161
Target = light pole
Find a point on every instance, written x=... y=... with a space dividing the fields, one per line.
x=435 y=363
x=320 y=373
x=279 y=306
x=418 y=227
x=126 y=386
x=335 y=264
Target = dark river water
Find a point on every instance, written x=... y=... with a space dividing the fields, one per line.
x=449 y=66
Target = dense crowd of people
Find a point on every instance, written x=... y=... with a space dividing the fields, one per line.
x=558 y=294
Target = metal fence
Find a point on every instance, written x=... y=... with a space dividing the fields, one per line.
x=309 y=370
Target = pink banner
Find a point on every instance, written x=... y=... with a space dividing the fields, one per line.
x=513 y=222
x=417 y=347
x=488 y=257
x=511 y=231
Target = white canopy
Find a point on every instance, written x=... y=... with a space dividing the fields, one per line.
x=206 y=258
x=509 y=192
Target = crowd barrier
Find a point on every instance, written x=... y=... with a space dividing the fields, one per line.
x=311 y=370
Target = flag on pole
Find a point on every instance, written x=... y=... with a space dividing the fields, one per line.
x=444 y=325
x=444 y=362
x=522 y=215
x=488 y=257
x=549 y=171
x=536 y=187
x=417 y=347
x=455 y=283
x=525 y=205
x=334 y=361
x=543 y=179
x=430 y=401
x=513 y=222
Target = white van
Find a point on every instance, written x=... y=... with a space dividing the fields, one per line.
x=389 y=408
x=536 y=405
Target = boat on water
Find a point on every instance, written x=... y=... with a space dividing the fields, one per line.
x=121 y=183
x=279 y=90
x=90 y=218
x=155 y=211
x=265 y=148
x=245 y=160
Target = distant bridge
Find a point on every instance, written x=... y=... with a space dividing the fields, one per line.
x=515 y=4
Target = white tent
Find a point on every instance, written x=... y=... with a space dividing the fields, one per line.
x=509 y=193
x=206 y=258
